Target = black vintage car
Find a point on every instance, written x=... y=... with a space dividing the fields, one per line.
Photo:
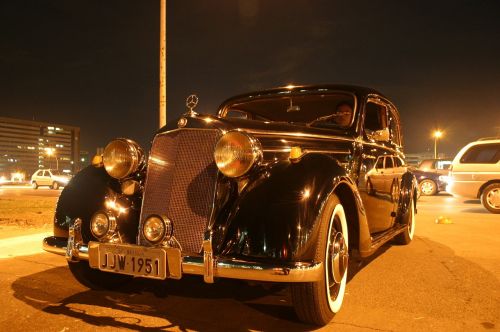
x=273 y=188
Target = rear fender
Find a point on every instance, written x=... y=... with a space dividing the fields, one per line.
x=407 y=192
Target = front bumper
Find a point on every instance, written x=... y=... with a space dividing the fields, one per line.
x=209 y=268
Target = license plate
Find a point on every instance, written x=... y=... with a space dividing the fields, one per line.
x=133 y=260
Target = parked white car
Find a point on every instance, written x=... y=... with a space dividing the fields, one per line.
x=475 y=173
x=49 y=177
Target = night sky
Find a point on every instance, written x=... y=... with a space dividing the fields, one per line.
x=94 y=64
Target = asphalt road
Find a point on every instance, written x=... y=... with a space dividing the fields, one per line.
x=447 y=279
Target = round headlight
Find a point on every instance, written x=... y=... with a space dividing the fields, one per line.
x=122 y=157
x=102 y=225
x=156 y=229
x=236 y=153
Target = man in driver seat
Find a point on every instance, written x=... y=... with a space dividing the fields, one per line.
x=343 y=114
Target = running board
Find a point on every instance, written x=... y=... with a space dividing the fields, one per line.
x=381 y=238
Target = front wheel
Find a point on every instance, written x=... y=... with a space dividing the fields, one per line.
x=490 y=198
x=34 y=185
x=317 y=302
x=96 y=279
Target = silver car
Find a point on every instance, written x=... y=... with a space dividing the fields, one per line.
x=49 y=177
x=475 y=173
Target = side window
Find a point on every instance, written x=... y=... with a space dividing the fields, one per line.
x=398 y=162
x=443 y=164
x=380 y=162
x=375 y=116
x=388 y=162
x=394 y=133
x=482 y=154
x=426 y=165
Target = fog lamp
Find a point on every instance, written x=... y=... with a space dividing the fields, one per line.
x=157 y=229
x=102 y=224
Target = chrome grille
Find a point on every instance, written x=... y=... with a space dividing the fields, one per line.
x=180 y=183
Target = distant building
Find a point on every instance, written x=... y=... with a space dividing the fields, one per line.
x=84 y=159
x=26 y=146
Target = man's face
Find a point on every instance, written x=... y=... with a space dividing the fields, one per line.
x=344 y=114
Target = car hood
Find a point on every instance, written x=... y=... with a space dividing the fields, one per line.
x=275 y=137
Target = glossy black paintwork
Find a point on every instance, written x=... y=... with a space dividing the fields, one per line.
x=272 y=213
x=85 y=194
x=275 y=216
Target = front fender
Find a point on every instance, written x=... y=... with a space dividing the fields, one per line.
x=83 y=195
x=276 y=217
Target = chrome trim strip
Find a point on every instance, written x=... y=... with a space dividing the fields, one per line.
x=306 y=151
x=295 y=134
x=223 y=268
x=184 y=128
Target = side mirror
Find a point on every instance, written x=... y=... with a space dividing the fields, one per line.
x=381 y=135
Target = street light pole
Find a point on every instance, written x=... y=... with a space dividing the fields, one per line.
x=163 y=64
x=437 y=134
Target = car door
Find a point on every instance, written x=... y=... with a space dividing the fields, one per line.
x=375 y=131
x=375 y=180
x=45 y=178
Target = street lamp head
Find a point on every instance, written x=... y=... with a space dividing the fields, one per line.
x=438 y=134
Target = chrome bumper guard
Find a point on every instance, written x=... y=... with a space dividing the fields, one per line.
x=209 y=268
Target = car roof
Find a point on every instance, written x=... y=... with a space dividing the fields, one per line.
x=304 y=89
x=487 y=140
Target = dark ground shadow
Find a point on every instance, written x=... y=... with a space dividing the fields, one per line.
x=472 y=201
x=183 y=303
x=356 y=264
x=231 y=305
x=188 y=304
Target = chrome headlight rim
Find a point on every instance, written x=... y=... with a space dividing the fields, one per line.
x=166 y=233
x=111 y=225
x=255 y=151
x=135 y=153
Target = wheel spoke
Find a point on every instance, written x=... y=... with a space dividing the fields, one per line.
x=493 y=198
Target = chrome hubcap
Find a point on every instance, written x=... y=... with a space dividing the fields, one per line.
x=493 y=198
x=339 y=258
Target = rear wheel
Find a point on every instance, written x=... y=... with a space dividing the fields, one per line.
x=317 y=302
x=409 y=219
x=96 y=279
x=490 y=198
x=428 y=187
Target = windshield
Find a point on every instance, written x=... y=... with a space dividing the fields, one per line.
x=326 y=110
x=54 y=172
